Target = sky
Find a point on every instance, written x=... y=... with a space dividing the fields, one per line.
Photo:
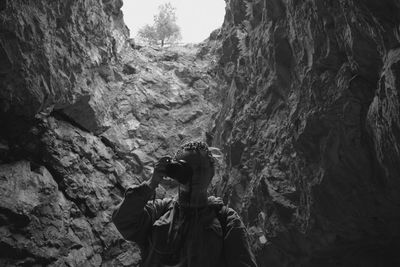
x=196 y=18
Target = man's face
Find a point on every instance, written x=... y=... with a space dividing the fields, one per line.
x=203 y=171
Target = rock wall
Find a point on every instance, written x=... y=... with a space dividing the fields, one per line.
x=83 y=115
x=58 y=180
x=310 y=127
x=56 y=53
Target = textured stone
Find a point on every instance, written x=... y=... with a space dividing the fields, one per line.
x=83 y=116
x=384 y=118
x=52 y=53
x=32 y=183
x=63 y=218
x=31 y=204
x=309 y=127
x=169 y=99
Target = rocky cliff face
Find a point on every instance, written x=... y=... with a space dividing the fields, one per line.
x=310 y=127
x=83 y=115
x=55 y=54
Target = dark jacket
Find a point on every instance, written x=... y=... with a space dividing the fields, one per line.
x=171 y=235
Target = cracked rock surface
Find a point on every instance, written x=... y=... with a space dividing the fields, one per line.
x=310 y=129
x=301 y=96
x=84 y=113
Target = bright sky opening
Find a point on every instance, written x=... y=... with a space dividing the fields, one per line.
x=196 y=18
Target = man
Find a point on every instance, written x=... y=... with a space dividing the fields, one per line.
x=192 y=230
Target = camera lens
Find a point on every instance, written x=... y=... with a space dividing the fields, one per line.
x=179 y=171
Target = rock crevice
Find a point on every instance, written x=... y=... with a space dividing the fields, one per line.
x=301 y=96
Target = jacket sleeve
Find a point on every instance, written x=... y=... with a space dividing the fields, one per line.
x=135 y=216
x=236 y=245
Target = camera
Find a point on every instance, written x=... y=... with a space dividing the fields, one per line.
x=178 y=170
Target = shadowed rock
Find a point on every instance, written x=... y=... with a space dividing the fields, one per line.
x=310 y=129
x=302 y=98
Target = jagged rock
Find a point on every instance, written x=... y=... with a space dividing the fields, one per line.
x=63 y=218
x=23 y=188
x=129 y=69
x=32 y=205
x=155 y=106
x=51 y=54
x=309 y=127
x=83 y=116
x=140 y=116
x=384 y=119
x=306 y=141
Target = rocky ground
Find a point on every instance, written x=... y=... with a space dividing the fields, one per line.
x=301 y=96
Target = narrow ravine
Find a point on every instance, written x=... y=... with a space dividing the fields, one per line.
x=300 y=96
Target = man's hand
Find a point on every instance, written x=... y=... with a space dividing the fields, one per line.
x=159 y=172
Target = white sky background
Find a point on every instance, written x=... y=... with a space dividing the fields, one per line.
x=196 y=18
